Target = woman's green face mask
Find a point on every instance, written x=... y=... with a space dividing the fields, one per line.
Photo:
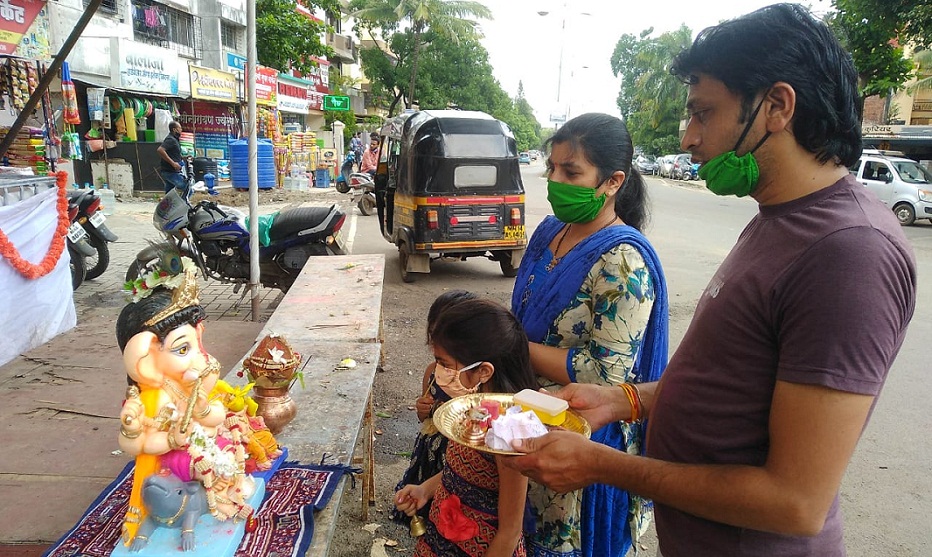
x=574 y=204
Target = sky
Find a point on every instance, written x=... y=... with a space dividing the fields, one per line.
x=525 y=46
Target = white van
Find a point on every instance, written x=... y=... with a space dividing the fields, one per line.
x=902 y=184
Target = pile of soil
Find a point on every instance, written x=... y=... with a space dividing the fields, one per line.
x=240 y=198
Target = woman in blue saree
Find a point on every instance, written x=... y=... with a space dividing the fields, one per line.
x=592 y=298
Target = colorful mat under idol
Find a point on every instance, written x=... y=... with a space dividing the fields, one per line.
x=285 y=518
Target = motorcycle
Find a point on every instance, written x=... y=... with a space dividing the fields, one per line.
x=217 y=240
x=91 y=217
x=360 y=184
x=79 y=249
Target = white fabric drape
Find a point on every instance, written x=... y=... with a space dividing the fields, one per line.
x=32 y=312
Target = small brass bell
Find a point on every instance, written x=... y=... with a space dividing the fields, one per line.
x=418 y=526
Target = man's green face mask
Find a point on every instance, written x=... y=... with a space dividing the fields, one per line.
x=729 y=174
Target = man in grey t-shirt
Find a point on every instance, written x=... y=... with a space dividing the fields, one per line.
x=761 y=407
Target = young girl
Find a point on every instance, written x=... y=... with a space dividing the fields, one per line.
x=427 y=457
x=478 y=503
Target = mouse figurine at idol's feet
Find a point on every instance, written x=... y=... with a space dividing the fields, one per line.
x=170 y=503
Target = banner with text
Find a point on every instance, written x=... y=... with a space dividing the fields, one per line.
x=213 y=125
x=266 y=85
x=145 y=68
x=16 y=17
x=293 y=94
x=212 y=85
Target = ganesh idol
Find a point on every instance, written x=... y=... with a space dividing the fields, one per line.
x=168 y=421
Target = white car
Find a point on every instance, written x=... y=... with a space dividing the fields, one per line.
x=902 y=184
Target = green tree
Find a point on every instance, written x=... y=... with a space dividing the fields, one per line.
x=453 y=19
x=286 y=39
x=868 y=29
x=650 y=98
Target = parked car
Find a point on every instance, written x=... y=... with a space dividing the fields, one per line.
x=534 y=154
x=901 y=183
x=682 y=167
x=524 y=158
x=665 y=166
x=646 y=164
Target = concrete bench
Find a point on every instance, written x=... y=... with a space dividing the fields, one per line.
x=333 y=311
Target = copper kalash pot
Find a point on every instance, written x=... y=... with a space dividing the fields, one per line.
x=273 y=367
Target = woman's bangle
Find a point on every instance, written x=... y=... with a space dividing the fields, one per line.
x=637 y=396
x=634 y=400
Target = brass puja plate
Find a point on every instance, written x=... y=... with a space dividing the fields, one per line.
x=450 y=419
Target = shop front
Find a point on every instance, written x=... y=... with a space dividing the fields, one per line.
x=125 y=117
x=915 y=142
x=267 y=104
x=298 y=158
x=24 y=55
x=212 y=114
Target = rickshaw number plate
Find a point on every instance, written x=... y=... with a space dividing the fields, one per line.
x=514 y=232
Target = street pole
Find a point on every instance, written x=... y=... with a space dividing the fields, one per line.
x=562 y=45
x=50 y=73
x=253 y=158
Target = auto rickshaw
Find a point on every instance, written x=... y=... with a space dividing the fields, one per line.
x=448 y=185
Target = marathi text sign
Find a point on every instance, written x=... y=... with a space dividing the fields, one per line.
x=212 y=85
x=292 y=94
x=212 y=124
x=16 y=16
x=208 y=117
x=147 y=68
x=266 y=85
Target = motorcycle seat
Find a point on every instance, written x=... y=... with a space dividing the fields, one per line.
x=291 y=221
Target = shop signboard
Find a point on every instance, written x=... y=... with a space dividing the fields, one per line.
x=336 y=102
x=16 y=17
x=266 y=85
x=292 y=94
x=147 y=68
x=236 y=62
x=212 y=85
x=320 y=84
x=212 y=125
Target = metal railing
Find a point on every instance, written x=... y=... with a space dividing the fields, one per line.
x=15 y=188
x=164 y=26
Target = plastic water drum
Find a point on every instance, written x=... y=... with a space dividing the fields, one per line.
x=202 y=166
x=239 y=164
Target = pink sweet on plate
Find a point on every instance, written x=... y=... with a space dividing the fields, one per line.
x=492 y=407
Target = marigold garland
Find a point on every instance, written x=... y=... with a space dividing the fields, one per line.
x=33 y=271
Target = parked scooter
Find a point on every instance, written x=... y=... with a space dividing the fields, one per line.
x=346 y=170
x=217 y=239
x=91 y=217
x=360 y=184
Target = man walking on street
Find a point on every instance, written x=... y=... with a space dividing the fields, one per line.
x=762 y=405
x=356 y=147
x=170 y=153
